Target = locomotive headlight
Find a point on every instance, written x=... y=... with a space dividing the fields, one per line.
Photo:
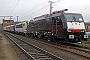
x=82 y=30
x=69 y=30
x=52 y=34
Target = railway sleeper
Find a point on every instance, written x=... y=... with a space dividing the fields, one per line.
x=45 y=59
x=38 y=56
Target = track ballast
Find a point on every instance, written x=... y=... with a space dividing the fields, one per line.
x=31 y=51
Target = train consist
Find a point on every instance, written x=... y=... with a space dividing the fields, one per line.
x=57 y=26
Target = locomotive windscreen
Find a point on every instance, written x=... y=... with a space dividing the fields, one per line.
x=73 y=17
x=19 y=26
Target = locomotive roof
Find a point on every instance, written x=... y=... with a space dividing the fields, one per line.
x=8 y=26
x=53 y=15
x=48 y=15
x=73 y=13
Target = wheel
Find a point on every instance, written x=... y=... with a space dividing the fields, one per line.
x=53 y=39
x=85 y=39
x=39 y=36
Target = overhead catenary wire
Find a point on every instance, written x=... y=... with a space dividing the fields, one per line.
x=14 y=7
x=37 y=10
x=44 y=7
x=4 y=12
x=39 y=5
x=11 y=5
x=36 y=7
x=56 y=1
x=40 y=9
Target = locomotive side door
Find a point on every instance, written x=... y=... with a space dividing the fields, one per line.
x=57 y=25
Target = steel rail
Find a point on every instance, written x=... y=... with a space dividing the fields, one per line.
x=47 y=55
x=60 y=48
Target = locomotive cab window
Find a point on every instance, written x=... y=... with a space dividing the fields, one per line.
x=19 y=26
x=74 y=17
x=57 y=20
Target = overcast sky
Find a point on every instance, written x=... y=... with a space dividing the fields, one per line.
x=28 y=9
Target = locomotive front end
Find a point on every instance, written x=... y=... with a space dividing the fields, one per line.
x=75 y=27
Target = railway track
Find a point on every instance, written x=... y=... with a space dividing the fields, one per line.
x=71 y=49
x=83 y=52
x=31 y=51
x=77 y=48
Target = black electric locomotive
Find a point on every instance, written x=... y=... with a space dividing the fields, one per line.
x=59 y=26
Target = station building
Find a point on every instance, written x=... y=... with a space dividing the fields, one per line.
x=7 y=22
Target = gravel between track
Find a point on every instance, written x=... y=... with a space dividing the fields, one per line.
x=64 y=55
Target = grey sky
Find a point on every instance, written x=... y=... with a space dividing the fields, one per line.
x=28 y=9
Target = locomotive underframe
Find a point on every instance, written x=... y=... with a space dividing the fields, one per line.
x=61 y=37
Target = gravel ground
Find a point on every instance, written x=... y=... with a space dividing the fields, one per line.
x=6 y=51
x=86 y=43
x=64 y=55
